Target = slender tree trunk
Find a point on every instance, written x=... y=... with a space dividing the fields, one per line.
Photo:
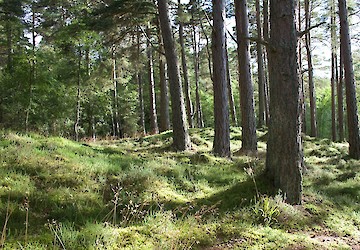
x=140 y=88
x=334 y=77
x=164 y=97
x=284 y=157
x=153 y=113
x=221 y=109
x=312 y=95
x=78 y=98
x=266 y=38
x=260 y=63
x=351 y=102
x=230 y=92
x=199 y=114
x=32 y=71
x=181 y=138
x=248 y=121
x=301 y=74
x=208 y=50
x=340 y=97
x=116 y=100
x=9 y=48
x=189 y=107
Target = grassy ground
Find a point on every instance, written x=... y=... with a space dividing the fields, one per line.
x=138 y=194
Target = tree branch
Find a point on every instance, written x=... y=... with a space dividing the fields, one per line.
x=301 y=33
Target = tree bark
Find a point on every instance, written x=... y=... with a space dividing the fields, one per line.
x=78 y=99
x=312 y=94
x=181 y=138
x=266 y=38
x=221 y=110
x=248 y=121
x=334 y=77
x=208 y=50
x=301 y=74
x=284 y=155
x=260 y=64
x=351 y=102
x=189 y=107
x=116 y=100
x=153 y=113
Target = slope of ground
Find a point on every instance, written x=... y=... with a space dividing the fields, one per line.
x=138 y=194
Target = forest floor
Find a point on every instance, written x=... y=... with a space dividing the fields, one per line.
x=138 y=194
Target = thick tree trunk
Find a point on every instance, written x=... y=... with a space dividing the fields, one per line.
x=248 y=122
x=181 y=138
x=312 y=95
x=284 y=155
x=221 y=109
x=153 y=114
x=351 y=102
x=260 y=63
x=198 y=110
x=189 y=107
x=230 y=92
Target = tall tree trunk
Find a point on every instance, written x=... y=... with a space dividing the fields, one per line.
x=116 y=99
x=340 y=98
x=284 y=155
x=260 y=63
x=351 y=102
x=181 y=138
x=9 y=48
x=153 y=113
x=78 y=98
x=248 y=122
x=266 y=38
x=230 y=92
x=301 y=73
x=221 y=109
x=189 y=107
x=199 y=114
x=312 y=95
x=140 y=87
x=32 y=71
x=164 y=97
x=208 y=50
x=334 y=77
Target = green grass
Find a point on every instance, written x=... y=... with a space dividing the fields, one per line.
x=138 y=194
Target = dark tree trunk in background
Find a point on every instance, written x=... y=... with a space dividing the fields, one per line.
x=248 y=122
x=208 y=50
x=116 y=100
x=153 y=114
x=340 y=98
x=284 y=155
x=334 y=71
x=260 y=64
x=164 y=97
x=181 y=138
x=198 y=109
x=230 y=92
x=312 y=94
x=140 y=88
x=351 y=102
x=189 y=107
x=221 y=110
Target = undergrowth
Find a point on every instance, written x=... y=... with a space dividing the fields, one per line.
x=138 y=194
